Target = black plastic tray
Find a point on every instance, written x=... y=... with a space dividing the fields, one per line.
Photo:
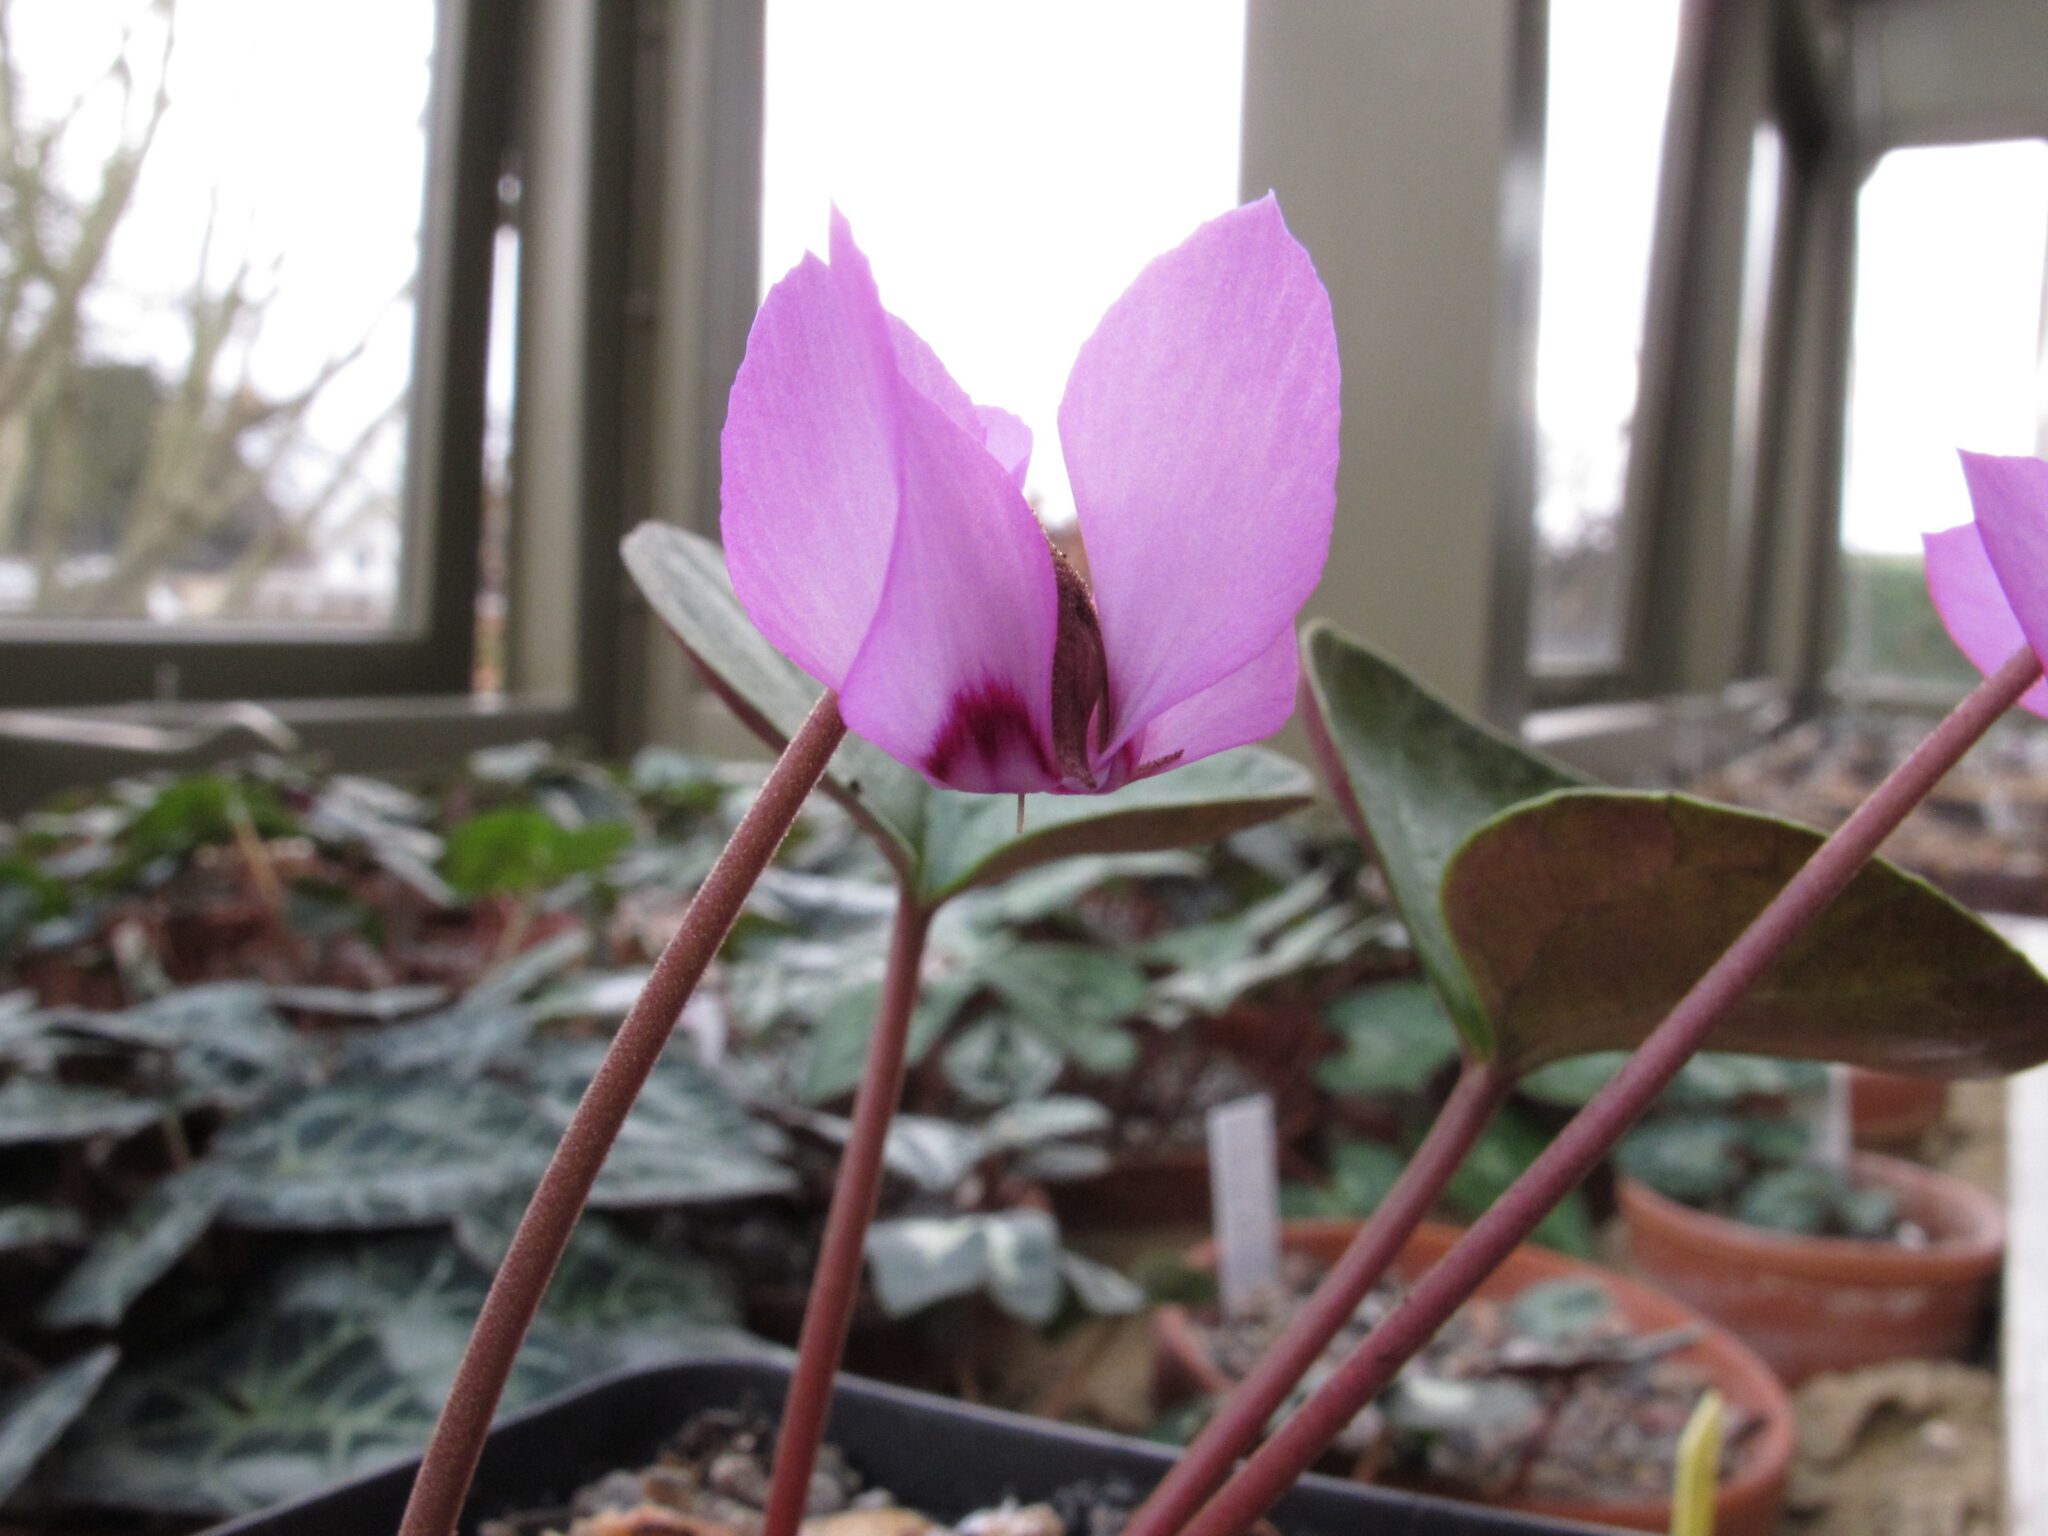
x=940 y=1457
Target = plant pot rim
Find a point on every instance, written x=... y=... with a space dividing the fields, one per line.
x=1738 y=1370
x=625 y=1399
x=1968 y=1243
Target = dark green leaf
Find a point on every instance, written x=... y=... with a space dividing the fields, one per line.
x=1693 y=1158
x=839 y=1044
x=1361 y=1173
x=1508 y=1145
x=1710 y=1078
x=134 y=1253
x=341 y=1364
x=999 y=1061
x=1803 y=1200
x=1417 y=777
x=1326 y=940
x=380 y=1152
x=33 y=1416
x=35 y=1109
x=1396 y=1040
x=686 y=1141
x=517 y=850
x=1584 y=916
x=1558 y=1311
x=199 y=811
x=973 y=839
x=1051 y=890
x=1226 y=940
x=1076 y=997
x=1014 y=1256
x=40 y=1226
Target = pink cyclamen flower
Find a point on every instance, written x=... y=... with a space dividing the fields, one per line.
x=876 y=529
x=1989 y=578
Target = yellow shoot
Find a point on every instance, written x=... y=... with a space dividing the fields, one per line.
x=1699 y=1468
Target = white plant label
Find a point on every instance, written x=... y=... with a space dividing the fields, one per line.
x=1244 y=1196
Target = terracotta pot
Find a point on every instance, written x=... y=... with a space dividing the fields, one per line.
x=1748 y=1504
x=1811 y=1304
x=1894 y=1109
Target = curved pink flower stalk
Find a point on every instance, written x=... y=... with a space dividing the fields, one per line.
x=876 y=529
x=1989 y=578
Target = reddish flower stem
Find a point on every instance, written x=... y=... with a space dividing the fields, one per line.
x=1592 y=1133
x=1480 y=1088
x=515 y=1295
x=836 y=1286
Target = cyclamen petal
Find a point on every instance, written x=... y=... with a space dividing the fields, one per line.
x=1249 y=705
x=1200 y=429
x=955 y=676
x=809 y=489
x=1973 y=608
x=876 y=529
x=2010 y=498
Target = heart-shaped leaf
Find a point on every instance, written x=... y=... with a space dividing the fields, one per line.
x=916 y=1261
x=683 y=576
x=340 y=1363
x=1396 y=1040
x=1415 y=777
x=943 y=841
x=686 y=1141
x=1584 y=916
x=376 y=1152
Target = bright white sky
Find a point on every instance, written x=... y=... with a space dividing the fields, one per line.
x=1609 y=84
x=1947 y=350
x=298 y=126
x=1008 y=166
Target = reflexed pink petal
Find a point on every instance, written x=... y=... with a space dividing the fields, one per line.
x=1200 y=429
x=955 y=676
x=2010 y=496
x=1973 y=606
x=1007 y=438
x=1249 y=705
x=808 y=499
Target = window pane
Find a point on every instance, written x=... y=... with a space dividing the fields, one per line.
x=1946 y=354
x=1008 y=166
x=1608 y=92
x=203 y=373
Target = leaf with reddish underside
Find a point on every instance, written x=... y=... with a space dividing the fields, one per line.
x=1415 y=777
x=1583 y=916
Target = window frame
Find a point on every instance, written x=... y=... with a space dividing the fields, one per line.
x=1727 y=586
x=430 y=649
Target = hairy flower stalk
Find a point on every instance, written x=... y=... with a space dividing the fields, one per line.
x=836 y=1286
x=1592 y=1133
x=537 y=1247
x=1480 y=1090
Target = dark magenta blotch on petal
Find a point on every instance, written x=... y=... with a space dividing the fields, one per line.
x=987 y=735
